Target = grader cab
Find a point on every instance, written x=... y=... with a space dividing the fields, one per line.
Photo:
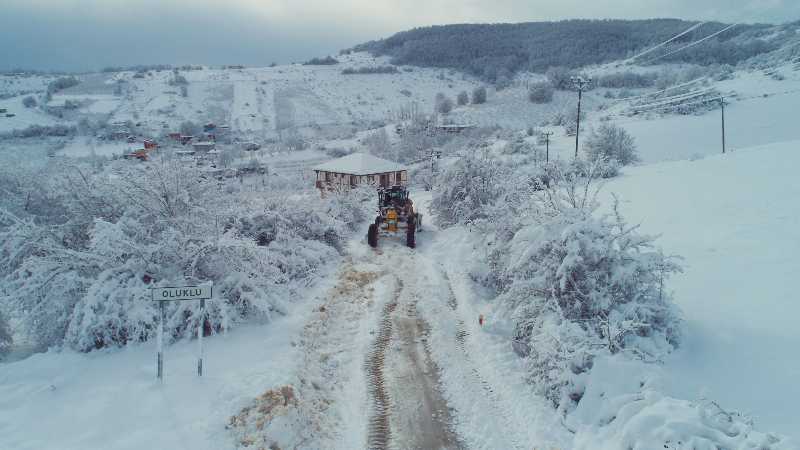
x=395 y=213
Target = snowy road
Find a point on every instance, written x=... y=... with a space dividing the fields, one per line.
x=408 y=409
x=432 y=377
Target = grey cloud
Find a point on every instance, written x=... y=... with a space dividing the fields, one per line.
x=90 y=34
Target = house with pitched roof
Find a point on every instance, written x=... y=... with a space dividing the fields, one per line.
x=360 y=168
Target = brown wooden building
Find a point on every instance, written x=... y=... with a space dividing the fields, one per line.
x=360 y=168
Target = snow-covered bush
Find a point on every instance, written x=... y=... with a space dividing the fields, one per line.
x=61 y=84
x=443 y=104
x=29 y=102
x=293 y=140
x=370 y=70
x=462 y=98
x=378 y=144
x=560 y=77
x=520 y=146
x=5 y=336
x=326 y=61
x=466 y=189
x=78 y=256
x=541 y=92
x=417 y=140
x=611 y=142
x=479 y=95
x=177 y=79
x=578 y=285
x=189 y=128
x=338 y=152
x=40 y=131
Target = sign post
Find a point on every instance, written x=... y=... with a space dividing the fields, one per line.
x=200 y=332
x=166 y=294
x=160 y=339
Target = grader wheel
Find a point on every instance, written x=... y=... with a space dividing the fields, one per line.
x=410 y=235
x=372 y=235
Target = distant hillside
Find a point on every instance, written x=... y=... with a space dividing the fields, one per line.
x=495 y=50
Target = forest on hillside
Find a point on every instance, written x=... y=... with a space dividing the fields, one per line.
x=494 y=51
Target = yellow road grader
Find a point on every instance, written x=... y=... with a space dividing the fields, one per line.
x=395 y=213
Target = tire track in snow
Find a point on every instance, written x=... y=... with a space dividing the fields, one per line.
x=408 y=406
x=379 y=432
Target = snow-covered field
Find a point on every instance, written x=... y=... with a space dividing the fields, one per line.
x=23 y=117
x=112 y=400
x=734 y=218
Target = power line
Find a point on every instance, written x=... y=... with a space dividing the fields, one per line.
x=671 y=88
x=677 y=98
x=692 y=28
x=763 y=96
x=691 y=44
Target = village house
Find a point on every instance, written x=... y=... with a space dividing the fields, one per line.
x=360 y=168
x=204 y=146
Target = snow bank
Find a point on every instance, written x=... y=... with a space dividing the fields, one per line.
x=734 y=219
x=624 y=407
x=111 y=399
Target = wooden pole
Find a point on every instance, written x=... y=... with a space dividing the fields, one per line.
x=201 y=324
x=722 y=104
x=581 y=84
x=160 y=341
x=547 y=146
x=578 y=127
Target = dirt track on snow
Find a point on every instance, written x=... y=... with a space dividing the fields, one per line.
x=409 y=411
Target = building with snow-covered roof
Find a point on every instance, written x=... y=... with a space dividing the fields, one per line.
x=360 y=168
x=204 y=146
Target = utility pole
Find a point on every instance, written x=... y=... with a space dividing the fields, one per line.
x=547 y=135
x=580 y=84
x=722 y=105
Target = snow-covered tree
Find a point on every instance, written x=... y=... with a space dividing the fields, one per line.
x=80 y=248
x=578 y=284
x=479 y=95
x=378 y=144
x=560 y=77
x=541 y=92
x=466 y=189
x=462 y=98
x=611 y=142
x=189 y=128
x=443 y=104
x=5 y=336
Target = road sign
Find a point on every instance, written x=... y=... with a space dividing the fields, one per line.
x=201 y=292
x=163 y=295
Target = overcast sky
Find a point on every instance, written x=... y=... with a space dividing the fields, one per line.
x=91 y=34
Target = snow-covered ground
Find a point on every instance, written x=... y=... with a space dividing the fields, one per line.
x=734 y=218
x=111 y=399
x=762 y=116
x=81 y=147
x=23 y=117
